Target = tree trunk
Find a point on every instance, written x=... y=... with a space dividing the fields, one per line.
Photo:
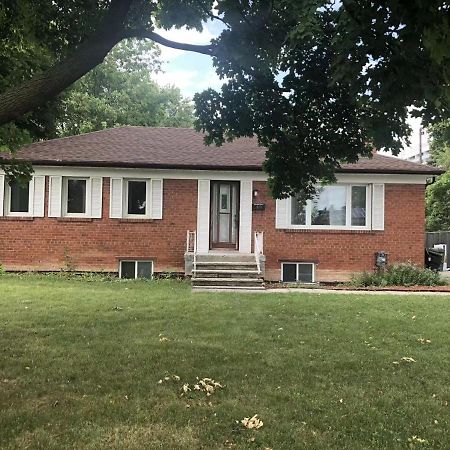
x=17 y=101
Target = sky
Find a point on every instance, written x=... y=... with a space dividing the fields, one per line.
x=190 y=72
x=194 y=72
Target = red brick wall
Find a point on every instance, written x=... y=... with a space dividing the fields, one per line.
x=95 y=244
x=340 y=253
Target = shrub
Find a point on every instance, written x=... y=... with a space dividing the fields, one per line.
x=2 y=270
x=405 y=274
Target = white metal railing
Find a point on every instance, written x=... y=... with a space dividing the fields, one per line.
x=191 y=246
x=258 y=247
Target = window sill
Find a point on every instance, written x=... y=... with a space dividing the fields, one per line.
x=129 y=220
x=331 y=231
x=17 y=218
x=74 y=219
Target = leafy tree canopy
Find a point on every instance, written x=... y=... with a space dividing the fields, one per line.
x=120 y=91
x=438 y=204
x=318 y=82
x=438 y=194
x=440 y=144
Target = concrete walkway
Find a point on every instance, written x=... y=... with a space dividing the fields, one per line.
x=325 y=291
x=359 y=292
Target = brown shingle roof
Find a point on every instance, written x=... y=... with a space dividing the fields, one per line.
x=180 y=148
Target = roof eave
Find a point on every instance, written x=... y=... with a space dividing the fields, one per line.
x=392 y=171
x=65 y=163
x=251 y=168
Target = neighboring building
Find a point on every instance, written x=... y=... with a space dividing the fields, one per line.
x=417 y=157
x=134 y=200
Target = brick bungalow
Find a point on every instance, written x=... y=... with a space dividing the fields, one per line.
x=137 y=200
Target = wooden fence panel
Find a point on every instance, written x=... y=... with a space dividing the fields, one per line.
x=437 y=237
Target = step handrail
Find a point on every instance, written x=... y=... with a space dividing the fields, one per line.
x=195 y=251
x=191 y=246
x=258 y=249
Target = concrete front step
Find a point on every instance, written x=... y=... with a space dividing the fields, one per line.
x=228 y=288
x=226 y=270
x=227 y=266
x=233 y=257
x=242 y=273
x=216 y=281
x=226 y=263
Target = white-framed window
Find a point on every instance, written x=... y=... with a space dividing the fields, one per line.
x=339 y=206
x=302 y=272
x=133 y=269
x=18 y=199
x=76 y=196
x=136 y=198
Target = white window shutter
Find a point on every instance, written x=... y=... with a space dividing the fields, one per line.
x=38 y=195
x=96 y=197
x=156 y=204
x=2 y=194
x=203 y=216
x=378 y=207
x=116 y=200
x=281 y=220
x=54 y=196
x=245 y=217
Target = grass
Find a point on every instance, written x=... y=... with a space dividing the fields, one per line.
x=80 y=364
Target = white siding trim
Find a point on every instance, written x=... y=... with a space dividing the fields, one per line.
x=156 y=204
x=203 y=207
x=245 y=217
x=2 y=194
x=38 y=202
x=117 y=172
x=55 y=196
x=96 y=197
x=378 y=207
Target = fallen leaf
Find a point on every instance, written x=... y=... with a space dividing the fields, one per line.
x=252 y=423
x=408 y=359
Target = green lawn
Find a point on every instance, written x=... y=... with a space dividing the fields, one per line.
x=80 y=363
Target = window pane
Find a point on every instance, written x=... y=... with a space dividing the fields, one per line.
x=289 y=272
x=359 y=205
x=144 y=269
x=329 y=206
x=76 y=196
x=19 y=197
x=305 y=273
x=128 y=269
x=298 y=212
x=137 y=197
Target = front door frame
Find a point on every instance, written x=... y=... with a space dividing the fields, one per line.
x=235 y=195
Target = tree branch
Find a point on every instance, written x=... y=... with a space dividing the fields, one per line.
x=211 y=15
x=206 y=49
x=18 y=100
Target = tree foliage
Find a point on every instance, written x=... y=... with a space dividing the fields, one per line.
x=438 y=194
x=120 y=91
x=318 y=82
